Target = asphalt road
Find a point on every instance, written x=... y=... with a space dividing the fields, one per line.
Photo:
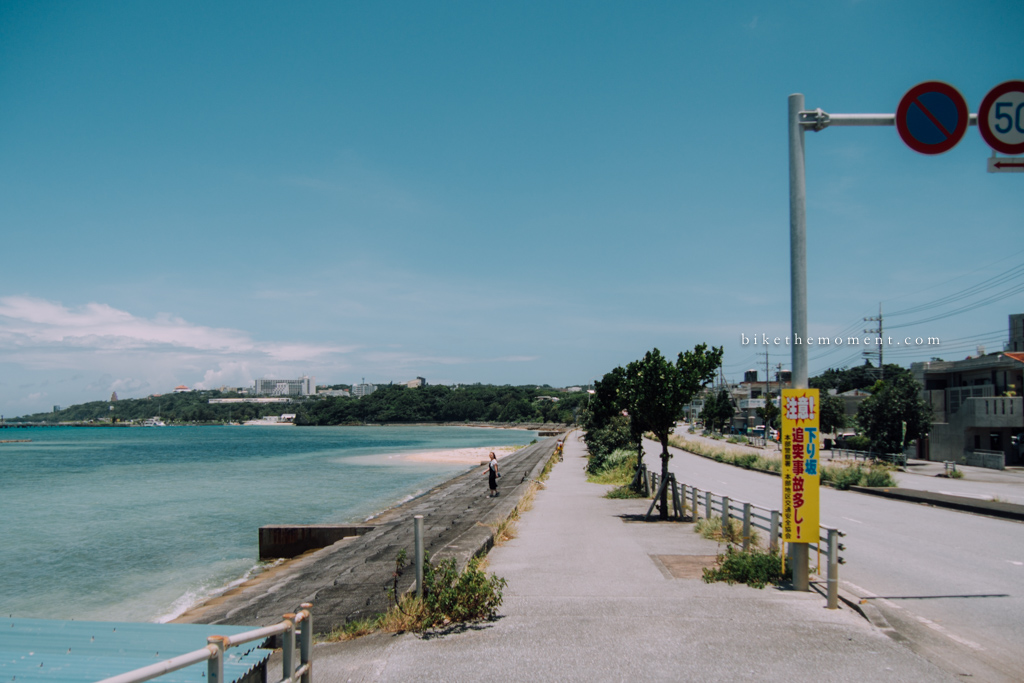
x=933 y=566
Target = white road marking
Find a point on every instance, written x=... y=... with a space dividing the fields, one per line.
x=853 y=520
x=1019 y=564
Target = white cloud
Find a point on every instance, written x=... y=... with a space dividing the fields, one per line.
x=45 y=332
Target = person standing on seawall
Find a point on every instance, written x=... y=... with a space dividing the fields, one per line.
x=492 y=474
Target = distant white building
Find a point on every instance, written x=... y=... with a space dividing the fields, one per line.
x=418 y=382
x=333 y=392
x=304 y=386
x=277 y=399
x=360 y=390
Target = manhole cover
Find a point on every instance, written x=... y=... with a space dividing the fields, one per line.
x=685 y=566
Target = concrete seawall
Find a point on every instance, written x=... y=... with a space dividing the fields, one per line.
x=348 y=579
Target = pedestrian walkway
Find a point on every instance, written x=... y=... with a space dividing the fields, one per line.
x=594 y=594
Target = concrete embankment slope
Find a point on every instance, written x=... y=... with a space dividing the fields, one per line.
x=348 y=579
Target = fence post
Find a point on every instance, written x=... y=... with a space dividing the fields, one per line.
x=707 y=505
x=288 y=648
x=725 y=516
x=746 y=526
x=774 y=543
x=215 y=665
x=675 y=497
x=833 y=568
x=693 y=499
x=306 y=642
x=682 y=500
x=418 y=543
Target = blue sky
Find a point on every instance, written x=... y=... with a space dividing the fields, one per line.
x=207 y=193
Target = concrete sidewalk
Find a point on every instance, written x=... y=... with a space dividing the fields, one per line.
x=593 y=595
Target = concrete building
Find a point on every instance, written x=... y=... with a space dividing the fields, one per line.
x=333 y=392
x=414 y=383
x=304 y=386
x=364 y=389
x=977 y=406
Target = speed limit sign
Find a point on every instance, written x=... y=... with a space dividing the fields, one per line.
x=1001 y=118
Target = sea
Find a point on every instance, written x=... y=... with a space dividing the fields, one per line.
x=142 y=523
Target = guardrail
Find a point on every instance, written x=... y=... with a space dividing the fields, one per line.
x=682 y=496
x=898 y=459
x=216 y=646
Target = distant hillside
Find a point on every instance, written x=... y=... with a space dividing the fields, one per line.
x=389 y=404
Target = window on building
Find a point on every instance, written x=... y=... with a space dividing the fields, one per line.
x=977 y=441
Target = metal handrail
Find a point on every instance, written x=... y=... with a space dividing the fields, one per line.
x=216 y=647
x=828 y=537
x=899 y=459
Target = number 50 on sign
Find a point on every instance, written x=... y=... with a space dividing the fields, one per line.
x=801 y=442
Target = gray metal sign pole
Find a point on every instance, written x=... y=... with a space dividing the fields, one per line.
x=799 y=121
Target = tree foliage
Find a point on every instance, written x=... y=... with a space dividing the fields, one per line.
x=656 y=390
x=857 y=377
x=389 y=404
x=718 y=410
x=832 y=414
x=771 y=414
x=893 y=404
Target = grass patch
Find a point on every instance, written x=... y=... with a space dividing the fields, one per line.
x=711 y=528
x=450 y=597
x=843 y=477
x=755 y=568
x=618 y=470
x=625 y=491
x=749 y=461
x=955 y=474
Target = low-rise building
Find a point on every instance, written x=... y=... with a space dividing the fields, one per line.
x=977 y=406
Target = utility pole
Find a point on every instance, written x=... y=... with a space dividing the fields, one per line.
x=881 y=347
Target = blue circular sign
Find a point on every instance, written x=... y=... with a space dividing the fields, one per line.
x=932 y=117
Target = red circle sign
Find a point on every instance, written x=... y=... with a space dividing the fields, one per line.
x=932 y=117
x=1001 y=118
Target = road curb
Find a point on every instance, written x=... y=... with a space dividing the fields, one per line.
x=1010 y=511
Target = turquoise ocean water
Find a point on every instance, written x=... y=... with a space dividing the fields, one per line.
x=138 y=524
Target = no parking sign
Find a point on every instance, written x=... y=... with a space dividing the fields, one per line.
x=932 y=117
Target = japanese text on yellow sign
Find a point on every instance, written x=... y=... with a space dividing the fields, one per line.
x=800 y=445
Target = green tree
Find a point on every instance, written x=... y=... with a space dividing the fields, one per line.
x=833 y=414
x=606 y=427
x=718 y=409
x=657 y=389
x=770 y=414
x=893 y=404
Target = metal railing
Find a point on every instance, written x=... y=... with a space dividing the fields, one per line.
x=682 y=496
x=898 y=459
x=216 y=646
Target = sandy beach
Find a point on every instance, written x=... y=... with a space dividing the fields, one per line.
x=467 y=456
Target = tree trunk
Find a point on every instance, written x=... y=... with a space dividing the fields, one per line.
x=663 y=515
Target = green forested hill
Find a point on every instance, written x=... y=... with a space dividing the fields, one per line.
x=390 y=403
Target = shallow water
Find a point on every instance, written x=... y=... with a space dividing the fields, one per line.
x=141 y=523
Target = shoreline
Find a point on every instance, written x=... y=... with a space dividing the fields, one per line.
x=265 y=571
x=346 y=579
